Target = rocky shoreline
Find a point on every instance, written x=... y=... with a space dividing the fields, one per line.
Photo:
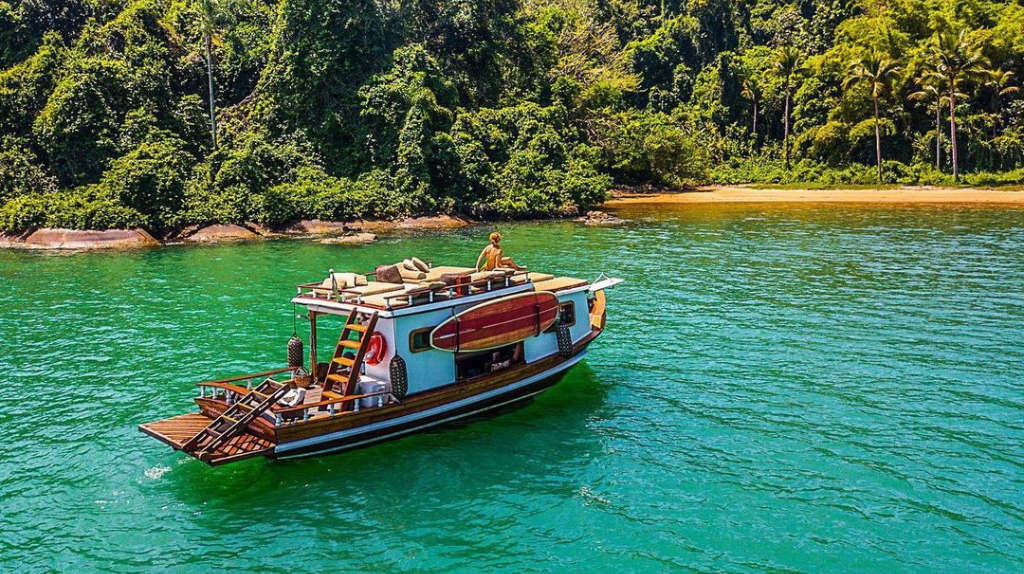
x=328 y=232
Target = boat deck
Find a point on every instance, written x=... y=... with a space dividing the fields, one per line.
x=176 y=431
x=426 y=287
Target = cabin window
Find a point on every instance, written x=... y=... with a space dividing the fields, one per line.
x=419 y=340
x=474 y=364
x=566 y=314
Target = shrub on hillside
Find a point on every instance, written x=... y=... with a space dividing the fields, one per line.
x=83 y=208
x=20 y=172
x=151 y=178
x=640 y=147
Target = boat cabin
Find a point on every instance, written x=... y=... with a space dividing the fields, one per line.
x=408 y=313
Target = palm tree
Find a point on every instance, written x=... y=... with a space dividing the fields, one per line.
x=787 y=65
x=876 y=72
x=752 y=91
x=212 y=15
x=932 y=89
x=956 y=59
x=999 y=80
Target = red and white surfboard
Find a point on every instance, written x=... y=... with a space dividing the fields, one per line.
x=497 y=323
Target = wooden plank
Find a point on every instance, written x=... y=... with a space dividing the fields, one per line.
x=176 y=431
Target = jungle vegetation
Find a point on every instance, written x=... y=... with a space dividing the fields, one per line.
x=170 y=113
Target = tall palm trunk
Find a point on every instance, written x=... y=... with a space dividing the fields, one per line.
x=952 y=130
x=878 y=142
x=938 y=134
x=209 y=77
x=785 y=128
x=755 y=123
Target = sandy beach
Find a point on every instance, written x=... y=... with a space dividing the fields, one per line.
x=745 y=194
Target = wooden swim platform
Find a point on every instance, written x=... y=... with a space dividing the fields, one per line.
x=176 y=431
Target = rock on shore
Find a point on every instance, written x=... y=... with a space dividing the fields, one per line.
x=220 y=232
x=317 y=227
x=599 y=218
x=360 y=238
x=433 y=222
x=79 y=239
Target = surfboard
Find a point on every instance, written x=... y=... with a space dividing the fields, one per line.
x=497 y=323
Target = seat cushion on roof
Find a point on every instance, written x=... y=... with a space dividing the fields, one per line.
x=558 y=284
x=388 y=274
x=420 y=265
x=400 y=298
x=412 y=275
x=485 y=275
x=344 y=280
x=435 y=273
x=534 y=276
x=373 y=288
x=424 y=287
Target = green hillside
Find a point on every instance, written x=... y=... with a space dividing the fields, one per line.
x=335 y=109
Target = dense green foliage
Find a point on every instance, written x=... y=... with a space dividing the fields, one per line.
x=495 y=108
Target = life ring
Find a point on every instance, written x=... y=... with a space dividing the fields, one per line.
x=376 y=349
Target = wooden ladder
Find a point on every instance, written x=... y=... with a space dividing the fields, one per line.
x=348 y=355
x=235 y=419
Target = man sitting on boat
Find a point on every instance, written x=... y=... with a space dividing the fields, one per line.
x=493 y=257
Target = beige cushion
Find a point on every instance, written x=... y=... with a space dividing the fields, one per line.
x=421 y=290
x=344 y=280
x=374 y=288
x=424 y=287
x=341 y=281
x=420 y=265
x=412 y=275
x=408 y=264
x=535 y=277
x=483 y=275
x=435 y=273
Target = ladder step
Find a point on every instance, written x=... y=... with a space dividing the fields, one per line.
x=351 y=344
x=344 y=361
x=227 y=418
x=259 y=394
x=337 y=378
x=245 y=406
x=356 y=327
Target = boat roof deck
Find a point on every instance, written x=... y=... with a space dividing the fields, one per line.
x=439 y=284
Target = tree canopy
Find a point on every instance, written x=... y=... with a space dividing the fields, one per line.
x=493 y=108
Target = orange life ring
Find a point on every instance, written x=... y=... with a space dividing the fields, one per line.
x=376 y=349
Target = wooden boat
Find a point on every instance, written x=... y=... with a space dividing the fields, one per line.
x=444 y=344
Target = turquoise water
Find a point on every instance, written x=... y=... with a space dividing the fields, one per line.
x=780 y=389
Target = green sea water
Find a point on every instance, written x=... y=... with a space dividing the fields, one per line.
x=819 y=389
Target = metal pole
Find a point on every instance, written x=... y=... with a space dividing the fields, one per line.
x=312 y=344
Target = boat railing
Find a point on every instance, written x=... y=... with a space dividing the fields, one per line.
x=334 y=406
x=413 y=295
x=229 y=391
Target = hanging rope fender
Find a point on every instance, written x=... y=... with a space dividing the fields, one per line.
x=295 y=354
x=399 y=377
x=564 y=338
